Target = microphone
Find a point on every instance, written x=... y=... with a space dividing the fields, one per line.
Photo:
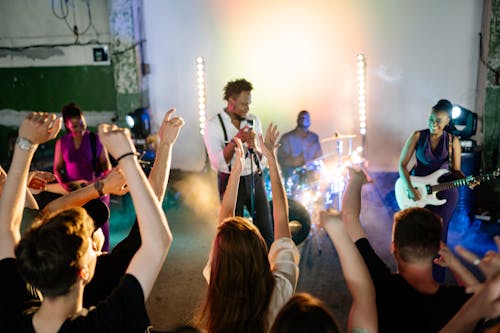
x=250 y=124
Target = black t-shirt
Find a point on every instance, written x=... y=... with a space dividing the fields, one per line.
x=123 y=311
x=111 y=267
x=400 y=307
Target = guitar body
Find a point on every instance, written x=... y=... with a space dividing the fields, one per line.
x=428 y=197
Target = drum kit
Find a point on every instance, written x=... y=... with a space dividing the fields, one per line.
x=320 y=183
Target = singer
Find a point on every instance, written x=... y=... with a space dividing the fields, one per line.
x=220 y=130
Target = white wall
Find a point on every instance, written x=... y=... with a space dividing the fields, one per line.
x=301 y=55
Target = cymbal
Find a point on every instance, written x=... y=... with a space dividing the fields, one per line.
x=338 y=136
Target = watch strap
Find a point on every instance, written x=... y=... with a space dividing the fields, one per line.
x=98 y=185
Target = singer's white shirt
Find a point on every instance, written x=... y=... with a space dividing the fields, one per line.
x=215 y=143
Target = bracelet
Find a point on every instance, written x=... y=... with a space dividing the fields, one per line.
x=125 y=155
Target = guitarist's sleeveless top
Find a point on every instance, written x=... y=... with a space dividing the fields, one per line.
x=429 y=160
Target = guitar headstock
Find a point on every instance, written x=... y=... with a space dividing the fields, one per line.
x=487 y=177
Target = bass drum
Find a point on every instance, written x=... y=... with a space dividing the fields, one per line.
x=299 y=220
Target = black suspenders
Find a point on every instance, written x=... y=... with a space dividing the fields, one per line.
x=225 y=135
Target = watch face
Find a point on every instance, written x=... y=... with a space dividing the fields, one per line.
x=24 y=143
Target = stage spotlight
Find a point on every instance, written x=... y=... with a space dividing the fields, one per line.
x=463 y=122
x=139 y=122
x=464 y=125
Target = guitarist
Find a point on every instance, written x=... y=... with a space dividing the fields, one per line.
x=80 y=158
x=434 y=148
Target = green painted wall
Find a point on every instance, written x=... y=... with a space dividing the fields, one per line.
x=491 y=115
x=49 y=88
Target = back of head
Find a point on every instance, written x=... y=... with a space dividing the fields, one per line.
x=234 y=88
x=416 y=234
x=48 y=255
x=304 y=313
x=241 y=281
x=71 y=110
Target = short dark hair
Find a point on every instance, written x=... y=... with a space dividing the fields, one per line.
x=49 y=252
x=417 y=234
x=443 y=105
x=71 y=110
x=234 y=88
x=304 y=313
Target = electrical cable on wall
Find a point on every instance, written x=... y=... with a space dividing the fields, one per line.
x=63 y=4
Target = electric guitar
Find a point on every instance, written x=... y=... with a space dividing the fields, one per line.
x=428 y=187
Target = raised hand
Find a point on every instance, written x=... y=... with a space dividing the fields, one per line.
x=446 y=257
x=115 y=182
x=239 y=161
x=270 y=144
x=330 y=217
x=170 y=127
x=40 y=127
x=116 y=140
x=489 y=264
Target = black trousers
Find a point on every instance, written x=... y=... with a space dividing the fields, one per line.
x=262 y=220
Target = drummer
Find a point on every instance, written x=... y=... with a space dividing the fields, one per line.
x=298 y=147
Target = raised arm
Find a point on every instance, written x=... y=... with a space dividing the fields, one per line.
x=447 y=259
x=456 y=155
x=485 y=304
x=113 y=183
x=363 y=314
x=280 y=202
x=29 y=202
x=404 y=159
x=155 y=232
x=228 y=203
x=36 y=128
x=351 y=204
x=168 y=133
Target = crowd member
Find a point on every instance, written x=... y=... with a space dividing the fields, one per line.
x=434 y=148
x=220 y=133
x=410 y=300
x=481 y=313
x=304 y=313
x=60 y=276
x=299 y=146
x=247 y=286
x=79 y=157
x=111 y=266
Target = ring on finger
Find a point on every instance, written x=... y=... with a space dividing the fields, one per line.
x=476 y=261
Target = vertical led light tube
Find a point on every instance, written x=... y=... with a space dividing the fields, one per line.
x=200 y=80
x=361 y=72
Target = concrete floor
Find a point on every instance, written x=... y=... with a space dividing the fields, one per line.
x=191 y=207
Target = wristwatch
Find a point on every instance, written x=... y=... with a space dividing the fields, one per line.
x=24 y=144
x=98 y=185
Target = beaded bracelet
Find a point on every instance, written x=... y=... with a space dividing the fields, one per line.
x=126 y=154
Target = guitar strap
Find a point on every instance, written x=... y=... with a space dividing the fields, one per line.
x=93 y=146
x=450 y=152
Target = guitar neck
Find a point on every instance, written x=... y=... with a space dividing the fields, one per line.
x=452 y=184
